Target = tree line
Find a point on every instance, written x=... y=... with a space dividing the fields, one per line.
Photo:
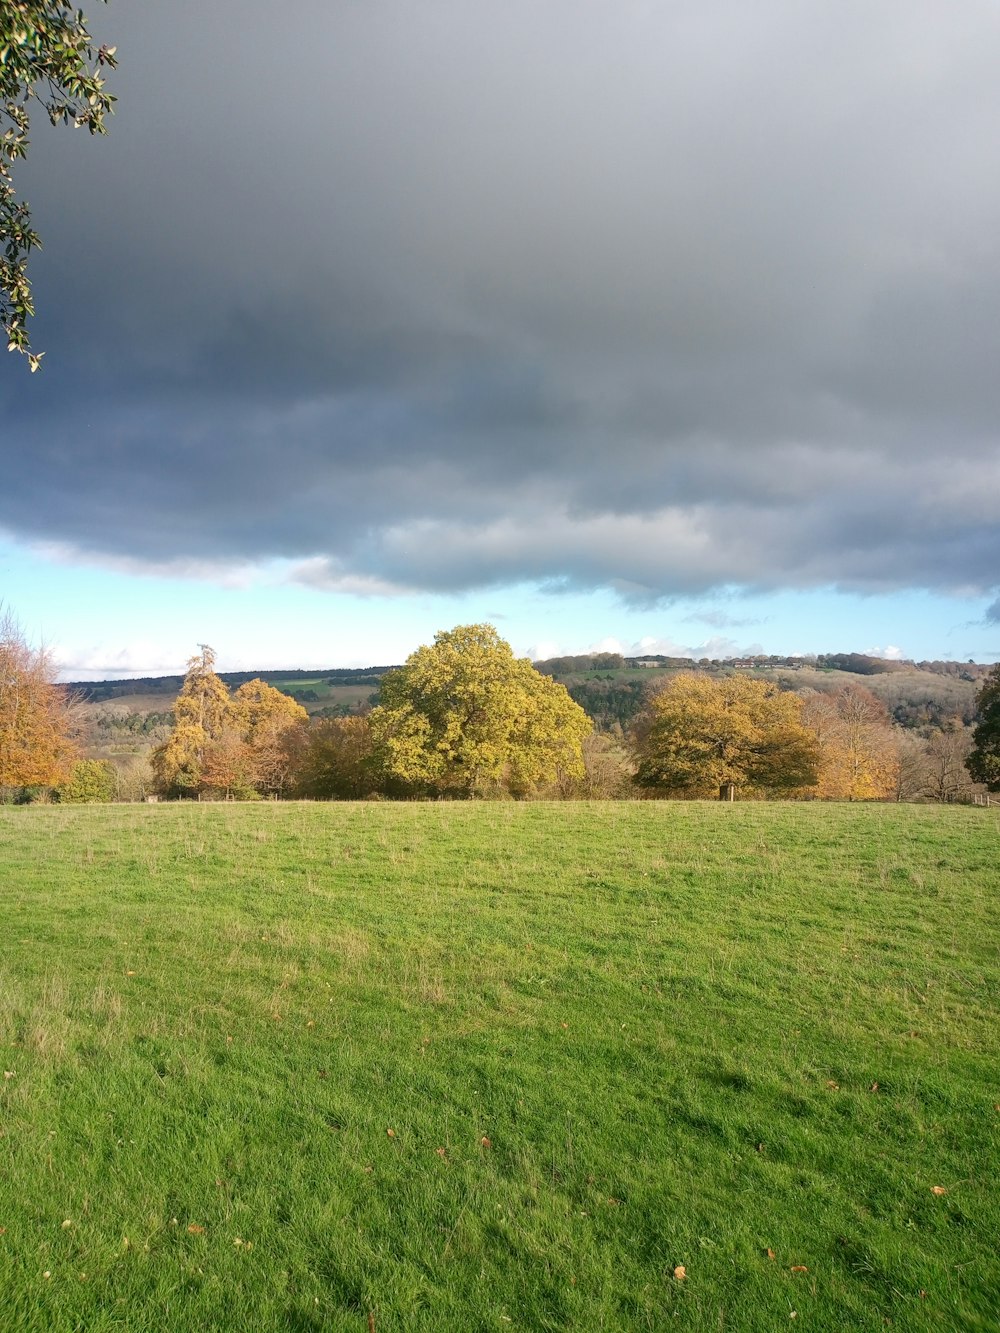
x=464 y=718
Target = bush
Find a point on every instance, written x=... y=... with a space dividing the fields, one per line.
x=91 y=782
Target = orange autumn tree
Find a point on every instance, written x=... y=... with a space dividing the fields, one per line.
x=226 y=745
x=36 y=745
x=860 y=755
x=254 y=754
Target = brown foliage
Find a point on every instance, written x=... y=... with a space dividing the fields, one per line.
x=337 y=760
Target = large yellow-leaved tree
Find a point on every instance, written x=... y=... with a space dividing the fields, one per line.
x=704 y=737
x=465 y=717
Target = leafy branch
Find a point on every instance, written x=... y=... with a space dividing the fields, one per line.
x=46 y=54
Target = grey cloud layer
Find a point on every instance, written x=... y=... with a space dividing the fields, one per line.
x=658 y=297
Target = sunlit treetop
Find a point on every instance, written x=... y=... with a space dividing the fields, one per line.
x=465 y=716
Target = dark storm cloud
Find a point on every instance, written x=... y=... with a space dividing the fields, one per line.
x=666 y=298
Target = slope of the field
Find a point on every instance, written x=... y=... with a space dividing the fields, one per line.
x=462 y=1067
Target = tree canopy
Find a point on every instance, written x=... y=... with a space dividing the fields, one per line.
x=200 y=713
x=860 y=755
x=232 y=745
x=984 y=758
x=46 y=53
x=337 y=761
x=704 y=737
x=257 y=732
x=36 y=745
x=465 y=717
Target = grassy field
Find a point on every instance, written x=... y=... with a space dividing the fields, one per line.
x=456 y=1067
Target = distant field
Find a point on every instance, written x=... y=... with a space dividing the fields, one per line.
x=482 y=1067
x=325 y=695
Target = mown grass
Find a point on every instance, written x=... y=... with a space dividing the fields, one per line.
x=609 y=1040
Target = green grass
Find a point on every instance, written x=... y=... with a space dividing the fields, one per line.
x=667 y=1022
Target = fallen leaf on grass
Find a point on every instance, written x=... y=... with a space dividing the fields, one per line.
x=195 y=1229
x=485 y=1142
x=771 y=1254
x=800 y=1268
x=9 y=1073
x=923 y=1294
x=67 y=1224
x=441 y=1152
x=321 y=1073
x=129 y=972
x=831 y=1084
x=938 y=1189
x=390 y=1133
x=873 y=1088
x=680 y=1272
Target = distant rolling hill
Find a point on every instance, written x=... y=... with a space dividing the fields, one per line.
x=611 y=688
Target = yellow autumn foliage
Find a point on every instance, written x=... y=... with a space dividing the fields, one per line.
x=860 y=755
x=229 y=745
x=701 y=736
x=465 y=717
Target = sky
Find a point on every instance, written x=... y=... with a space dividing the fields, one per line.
x=667 y=327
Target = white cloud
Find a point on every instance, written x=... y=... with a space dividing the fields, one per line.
x=143 y=657
x=890 y=653
x=543 y=650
